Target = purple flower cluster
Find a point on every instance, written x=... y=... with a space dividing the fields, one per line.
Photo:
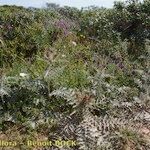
x=63 y=26
x=121 y=65
x=9 y=27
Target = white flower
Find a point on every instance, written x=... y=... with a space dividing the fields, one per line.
x=63 y=56
x=74 y=43
x=23 y=74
